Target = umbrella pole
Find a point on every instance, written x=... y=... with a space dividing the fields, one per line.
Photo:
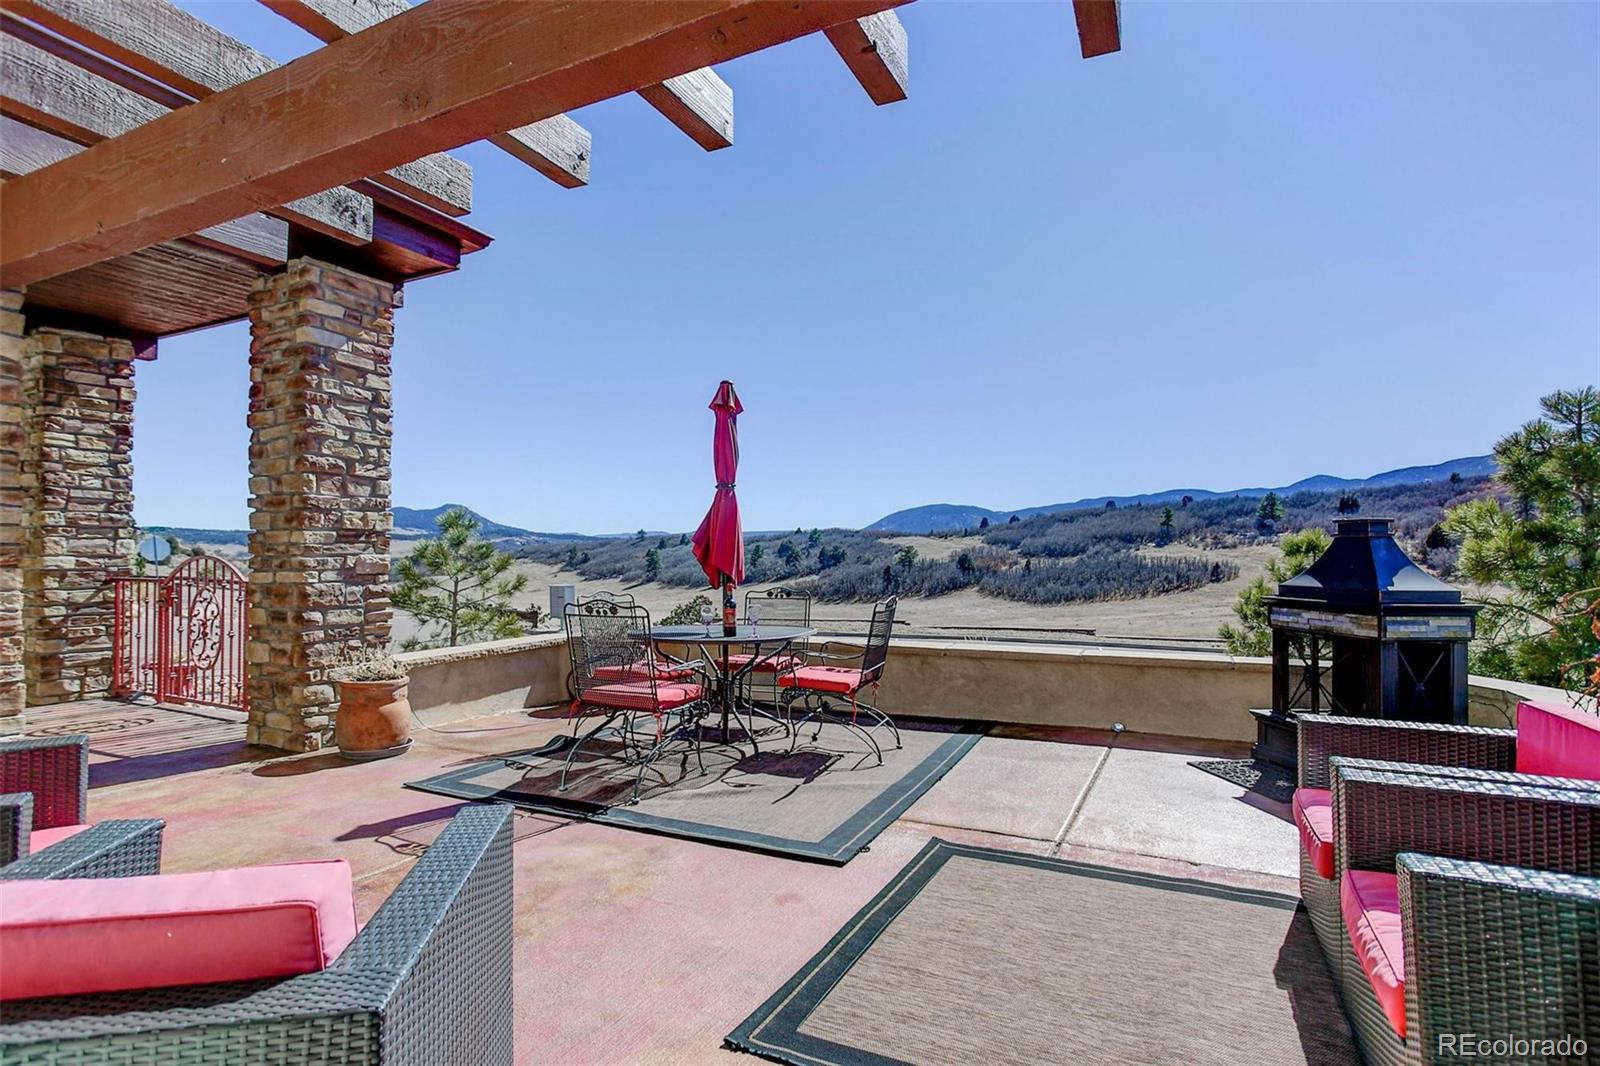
x=730 y=626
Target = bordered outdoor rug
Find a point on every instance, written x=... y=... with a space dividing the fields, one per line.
x=977 y=955
x=823 y=801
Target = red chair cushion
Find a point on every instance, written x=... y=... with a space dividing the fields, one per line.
x=642 y=672
x=773 y=665
x=636 y=696
x=40 y=839
x=77 y=936
x=841 y=679
x=1370 y=903
x=1313 y=816
x=1557 y=741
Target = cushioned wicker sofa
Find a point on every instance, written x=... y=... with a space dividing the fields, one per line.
x=428 y=980
x=1455 y=898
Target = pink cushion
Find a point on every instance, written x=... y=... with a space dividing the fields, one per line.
x=841 y=679
x=76 y=936
x=1370 y=903
x=1557 y=741
x=40 y=839
x=642 y=672
x=636 y=695
x=1313 y=816
x=772 y=665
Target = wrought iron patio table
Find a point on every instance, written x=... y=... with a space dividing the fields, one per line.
x=716 y=650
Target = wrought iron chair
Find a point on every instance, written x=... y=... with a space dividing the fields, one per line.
x=617 y=677
x=814 y=684
x=779 y=606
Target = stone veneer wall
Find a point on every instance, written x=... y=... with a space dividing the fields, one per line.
x=320 y=432
x=77 y=488
x=12 y=440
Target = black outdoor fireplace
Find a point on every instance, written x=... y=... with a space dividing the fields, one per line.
x=1364 y=632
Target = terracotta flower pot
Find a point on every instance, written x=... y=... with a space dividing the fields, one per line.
x=374 y=720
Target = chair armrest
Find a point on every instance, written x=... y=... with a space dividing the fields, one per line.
x=1377 y=814
x=821 y=652
x=16 y=822
x=1498 y=950
x=55 y=770
x=428 y=980
x=1323 y=736
x=110 y=849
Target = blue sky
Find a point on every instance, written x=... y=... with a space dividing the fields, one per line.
x=1264 y=241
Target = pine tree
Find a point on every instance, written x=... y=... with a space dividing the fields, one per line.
x=1543 y=551
x=459 y=584
x=1252 y=636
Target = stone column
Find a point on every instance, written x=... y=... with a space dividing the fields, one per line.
x=11 y=530
x=320 y=433
x=77 y=487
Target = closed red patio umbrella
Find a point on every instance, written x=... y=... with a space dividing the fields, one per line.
x=719 y=542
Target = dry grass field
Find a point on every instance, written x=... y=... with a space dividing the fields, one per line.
x=1180 y=617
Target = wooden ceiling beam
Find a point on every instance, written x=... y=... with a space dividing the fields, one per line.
x=436 y=76
x=54 y=95
x=171 y=46
x=875 y=50
x=699 y=103
x=257 y=238
x=1099 y=26
x=556 y=147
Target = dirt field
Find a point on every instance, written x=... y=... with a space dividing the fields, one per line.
x=1181 y=617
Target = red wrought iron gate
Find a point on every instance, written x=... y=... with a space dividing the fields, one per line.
x=181 y=638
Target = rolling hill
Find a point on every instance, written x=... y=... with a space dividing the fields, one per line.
x=943 y=517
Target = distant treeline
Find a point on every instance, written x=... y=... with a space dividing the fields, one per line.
x=1099 y=553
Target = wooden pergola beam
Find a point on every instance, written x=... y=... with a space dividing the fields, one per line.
x=1099 y=26
x=171 y=46
x=875 y=50
x=436 y=76
x=556 y=147
x=49 y=93
x=257 y=238
x=699 y=103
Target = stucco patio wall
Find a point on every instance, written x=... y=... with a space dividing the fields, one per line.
x=1174 y=693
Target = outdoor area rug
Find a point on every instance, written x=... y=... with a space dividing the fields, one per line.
x=977 y=955
x=824 y=801
x=1252 y=775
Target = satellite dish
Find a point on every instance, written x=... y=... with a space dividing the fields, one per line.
x=154 y=549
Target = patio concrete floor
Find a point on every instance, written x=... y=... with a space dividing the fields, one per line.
x=632 y=947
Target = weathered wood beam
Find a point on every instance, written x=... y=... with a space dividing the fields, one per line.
x=257 y=238
x=556 y=147
x=1099 y=26
x=875 y=50
x=169 y=45
x=699 y=103
x=59 y=97
x=436 y=76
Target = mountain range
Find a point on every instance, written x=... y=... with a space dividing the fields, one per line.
x=944 y=517
x=413 y=522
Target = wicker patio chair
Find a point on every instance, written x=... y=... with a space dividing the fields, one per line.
x=777 y=606
x=1434 y=749
x=814 y=683
x=54 y=772
x=427 y=980
x=1518 y=863
x=617 y=678
x=111 y=849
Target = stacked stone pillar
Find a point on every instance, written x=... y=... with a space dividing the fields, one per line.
x=12 y=438
x=320 y=433
x=77 y=507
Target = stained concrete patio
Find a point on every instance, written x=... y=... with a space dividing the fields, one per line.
x=632 y=947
